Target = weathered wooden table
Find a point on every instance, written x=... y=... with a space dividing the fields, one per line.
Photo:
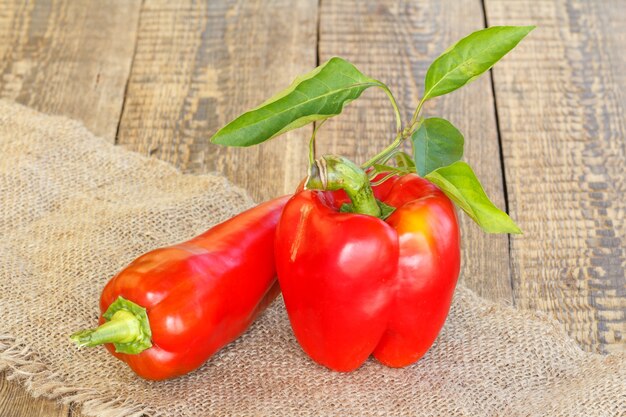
x=545 y=131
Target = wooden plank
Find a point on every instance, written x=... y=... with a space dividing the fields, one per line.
x=68 y=57
x=198 y=65
x=395 y=42
x=71 y=58
x=561 y=104
x=15 y=402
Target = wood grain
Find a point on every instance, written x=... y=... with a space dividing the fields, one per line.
x=198 y=65
x=561 y=104
x=16 y=402
x=68 y=57
x=395 y=42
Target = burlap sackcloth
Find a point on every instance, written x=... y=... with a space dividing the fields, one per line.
x=74 y=210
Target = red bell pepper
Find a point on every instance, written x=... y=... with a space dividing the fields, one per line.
x=355 y=284
x=172 y=308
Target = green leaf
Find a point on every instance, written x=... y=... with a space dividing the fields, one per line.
x=459 y=182
x=470 y=57
x=318 y=95
x=436 y=143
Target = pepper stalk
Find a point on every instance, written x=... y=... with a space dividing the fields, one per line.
x=126 y=326
x=334 y=172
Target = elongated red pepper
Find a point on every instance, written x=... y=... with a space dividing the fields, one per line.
x=172 y=308
x=356 y=285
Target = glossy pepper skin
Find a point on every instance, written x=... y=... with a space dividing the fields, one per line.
x=198 y=295
x=356 y=285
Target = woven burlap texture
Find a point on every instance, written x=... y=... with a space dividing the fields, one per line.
x=76 y=209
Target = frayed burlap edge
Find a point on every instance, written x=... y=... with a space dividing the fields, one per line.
x=20 y=364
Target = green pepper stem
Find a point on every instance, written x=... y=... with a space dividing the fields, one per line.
x=333 y=172
x=127 y=327
x=400 y=137
x=122 y=328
